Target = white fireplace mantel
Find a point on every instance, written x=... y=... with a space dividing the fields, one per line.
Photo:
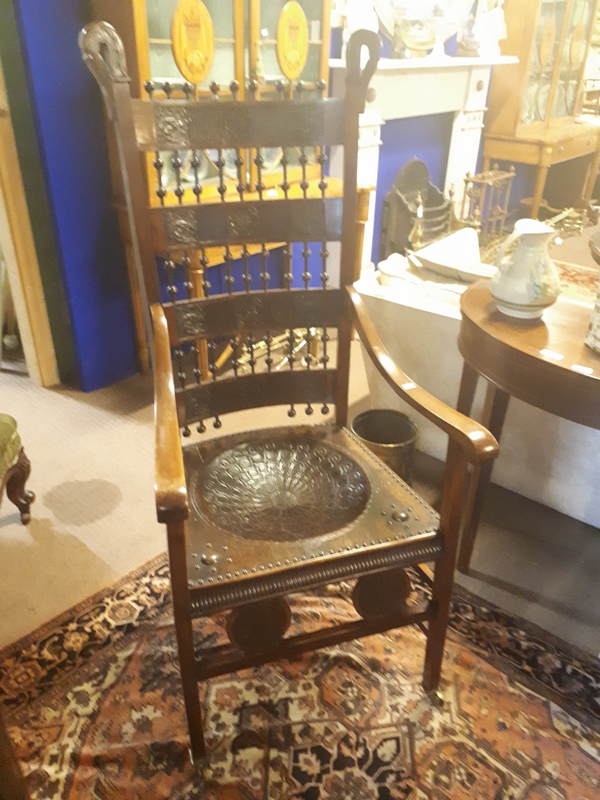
x=406 y=88
x=414 y=87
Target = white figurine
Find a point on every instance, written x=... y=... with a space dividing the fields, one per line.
x=490 y=28
x=358 y=15
x=440 y=25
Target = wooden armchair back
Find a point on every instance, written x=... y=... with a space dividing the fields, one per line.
x=264 y=339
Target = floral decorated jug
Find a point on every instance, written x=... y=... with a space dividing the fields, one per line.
x=527 y=282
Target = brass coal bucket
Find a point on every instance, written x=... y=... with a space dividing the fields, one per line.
x=392 y=436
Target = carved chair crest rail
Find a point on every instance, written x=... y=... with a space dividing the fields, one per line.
x=254 y=517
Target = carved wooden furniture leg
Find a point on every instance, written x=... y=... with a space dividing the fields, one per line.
x=496 y=405
x=538 y=192
x=455 y=474
x=15 y=486
x=185 y=640
x=12 y=785
x=591 y=179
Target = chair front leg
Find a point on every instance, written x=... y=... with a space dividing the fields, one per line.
x=453 y=490
x=185 y=639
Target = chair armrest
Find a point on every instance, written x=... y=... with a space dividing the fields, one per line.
x=477 y=442
x=170 y=486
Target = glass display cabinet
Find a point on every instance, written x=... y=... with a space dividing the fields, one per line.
x=245 y=49
x=157 y=50
x=533 y=105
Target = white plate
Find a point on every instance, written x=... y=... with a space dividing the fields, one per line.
x=455 y=256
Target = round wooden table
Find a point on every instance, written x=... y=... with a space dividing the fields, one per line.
x=543 y=362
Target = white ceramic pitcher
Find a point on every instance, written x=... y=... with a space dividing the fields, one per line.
x=528 y=281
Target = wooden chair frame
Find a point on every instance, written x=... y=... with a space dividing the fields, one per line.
x=469 y=442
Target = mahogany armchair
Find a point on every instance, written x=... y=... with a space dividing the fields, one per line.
x=254 y=517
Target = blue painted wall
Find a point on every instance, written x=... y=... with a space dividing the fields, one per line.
x=427 y=138
x=71 y=136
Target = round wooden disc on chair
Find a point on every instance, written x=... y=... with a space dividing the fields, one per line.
x=260 y=625
x=381 y=594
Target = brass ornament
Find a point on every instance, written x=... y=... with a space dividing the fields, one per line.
x=292 y=40
x=193 y=40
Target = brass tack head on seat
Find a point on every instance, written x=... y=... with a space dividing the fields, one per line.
x=400 y=516
x=208 y=558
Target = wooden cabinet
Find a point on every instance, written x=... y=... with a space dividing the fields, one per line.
x=533 y=105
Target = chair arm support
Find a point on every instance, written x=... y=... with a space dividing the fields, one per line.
x=170 y=486
x=477 y=442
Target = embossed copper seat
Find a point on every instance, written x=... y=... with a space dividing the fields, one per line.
x=256 y=516
x=302 y=505
x=279 y=486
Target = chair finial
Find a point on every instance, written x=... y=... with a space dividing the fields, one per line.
x=104 y=55
x=354 y=74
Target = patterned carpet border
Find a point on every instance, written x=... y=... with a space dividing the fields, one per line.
x=40 y=661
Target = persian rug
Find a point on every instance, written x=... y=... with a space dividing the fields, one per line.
x=92 y=703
